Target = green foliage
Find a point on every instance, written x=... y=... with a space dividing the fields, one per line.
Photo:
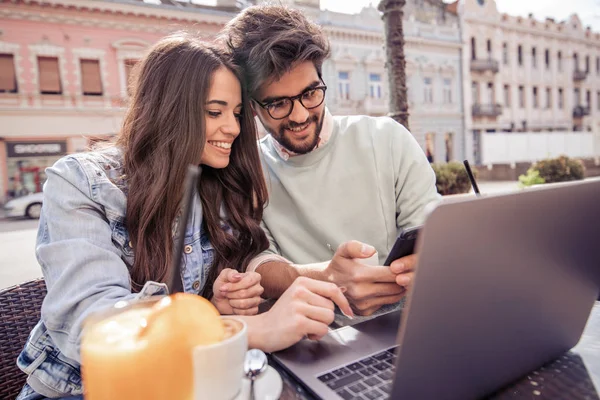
x=452 y=178
x=560 y=169
x=552 y=170
x=531 y=178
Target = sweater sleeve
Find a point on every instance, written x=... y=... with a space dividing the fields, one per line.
x=271 y=254
x=414 y=180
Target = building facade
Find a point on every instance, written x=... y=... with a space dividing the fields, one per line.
x=357 y=78
x=526 y=75
x=65 y=65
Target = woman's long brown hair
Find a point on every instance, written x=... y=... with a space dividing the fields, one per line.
x=163 y=132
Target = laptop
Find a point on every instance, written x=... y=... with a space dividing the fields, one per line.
x=504 y=284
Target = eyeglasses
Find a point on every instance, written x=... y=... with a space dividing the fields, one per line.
x=283 y=107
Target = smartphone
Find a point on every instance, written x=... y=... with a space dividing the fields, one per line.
x=404 y=245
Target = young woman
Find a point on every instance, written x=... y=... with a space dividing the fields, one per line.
x=109 y=217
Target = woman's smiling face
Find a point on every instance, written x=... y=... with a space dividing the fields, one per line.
x=222 y=120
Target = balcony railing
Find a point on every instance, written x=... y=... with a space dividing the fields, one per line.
x=579 y=75
x=487 y=110
x=374 y=106
x=581 y=111
x=485 y=65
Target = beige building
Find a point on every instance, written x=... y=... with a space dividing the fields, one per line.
x=526 y=75
x=357 y=75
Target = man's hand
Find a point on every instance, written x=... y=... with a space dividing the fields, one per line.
x=237 y=293
x=405 y=269
x=367 y=287
x=304 y=310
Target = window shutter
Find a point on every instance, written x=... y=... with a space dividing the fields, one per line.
x=91 y=83
x=49 y=75
x=8 y=78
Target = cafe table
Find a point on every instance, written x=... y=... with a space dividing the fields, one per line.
x=574 y=376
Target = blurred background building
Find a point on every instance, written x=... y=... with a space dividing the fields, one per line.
x=475 y=77
x=64 y=69
x=65 y=64
x=523 y=75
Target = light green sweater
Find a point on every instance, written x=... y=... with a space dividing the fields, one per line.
x=366 y=183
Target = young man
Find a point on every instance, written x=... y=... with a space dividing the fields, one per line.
x=349 y=183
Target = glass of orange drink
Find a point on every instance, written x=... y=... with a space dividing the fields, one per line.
x=170 y=347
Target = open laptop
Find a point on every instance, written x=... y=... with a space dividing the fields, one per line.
x=504 y=284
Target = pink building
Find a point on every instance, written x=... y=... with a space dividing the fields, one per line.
x=64 y=68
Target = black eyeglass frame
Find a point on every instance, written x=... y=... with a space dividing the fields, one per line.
x=293 y=100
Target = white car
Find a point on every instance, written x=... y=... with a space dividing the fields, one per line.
x=27 y=206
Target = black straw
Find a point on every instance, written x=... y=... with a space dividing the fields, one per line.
x=191 y=180
x=471 y=177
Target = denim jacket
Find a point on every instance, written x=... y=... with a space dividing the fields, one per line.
x=84 y=250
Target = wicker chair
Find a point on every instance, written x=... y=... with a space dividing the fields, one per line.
x=19 y=312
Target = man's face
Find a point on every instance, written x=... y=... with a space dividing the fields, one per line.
x=298 y=132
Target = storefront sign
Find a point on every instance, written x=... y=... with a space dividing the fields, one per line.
x=36 y=149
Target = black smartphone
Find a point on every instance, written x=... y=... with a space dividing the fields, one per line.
x=404 y=245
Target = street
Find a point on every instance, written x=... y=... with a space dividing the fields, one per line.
x=17 y=252
x=17 y=242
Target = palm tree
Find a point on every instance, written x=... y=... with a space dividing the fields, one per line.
x=396 y=62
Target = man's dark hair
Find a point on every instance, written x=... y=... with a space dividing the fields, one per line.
x=266 y=41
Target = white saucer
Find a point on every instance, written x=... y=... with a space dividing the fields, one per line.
x=267 y=386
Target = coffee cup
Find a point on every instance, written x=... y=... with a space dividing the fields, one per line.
x=219 y=367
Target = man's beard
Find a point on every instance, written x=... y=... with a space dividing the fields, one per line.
x=302 y=148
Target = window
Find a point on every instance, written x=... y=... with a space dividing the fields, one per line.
x=521 y=97
x=577 y=97
x=587 y=64
x=506 y=96
x=489 y=48
x=505 y=53
x=344 y=85
x=475 y=92
x=427 y=91
x=547 y=58
x=129 y=65
x=559 y=61
x=598 y=100
x=575 y=62
x=533 y=57
x=375 y=86
x=49 y=79
x=430 y=147
x=520 y=55
x=490 y=87
x=588 y=98
x=8 y=78
x=560 y=98
x=548 y=98
x=91 y=83
x=473 y=49
x=535 y=97
x=477 y=145
x=597 y=65
x=448 y=91
x=449 y=139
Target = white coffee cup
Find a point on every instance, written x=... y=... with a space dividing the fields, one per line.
x=219 y=367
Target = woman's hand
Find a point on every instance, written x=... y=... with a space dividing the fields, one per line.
x=306 y=309
x=237 y=293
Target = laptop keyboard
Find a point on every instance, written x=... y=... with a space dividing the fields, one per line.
x=369 y=378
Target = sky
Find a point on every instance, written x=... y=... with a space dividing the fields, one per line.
x=588 y=10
